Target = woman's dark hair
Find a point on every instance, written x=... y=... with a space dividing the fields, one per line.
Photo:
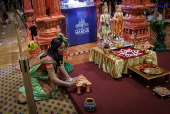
x=53 y=51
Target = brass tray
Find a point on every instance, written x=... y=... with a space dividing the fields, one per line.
x=151 y=69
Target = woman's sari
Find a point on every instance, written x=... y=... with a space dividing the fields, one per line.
x=42 y=87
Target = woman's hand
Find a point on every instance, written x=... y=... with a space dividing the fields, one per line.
x=73 y=81
x=76 y=80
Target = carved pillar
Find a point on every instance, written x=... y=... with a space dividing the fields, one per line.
x=46 y=24
x=55 y=9
x=48 y=4
x=145 y=1
x=97 y=3
x=27 y=6
x=135 y=1
x=126 y=2
x=135 y=19
x=40 y=10
x=34 y=4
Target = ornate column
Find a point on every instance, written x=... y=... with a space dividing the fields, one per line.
x=55 y=12
x=47 y=25
x=27 y=6
x=125 y=2
x=40 y=10
x=97 y=3
x=134 y=20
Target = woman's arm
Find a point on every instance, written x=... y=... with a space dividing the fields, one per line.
x=64 y=72
x=56 y=80
x=74 y=80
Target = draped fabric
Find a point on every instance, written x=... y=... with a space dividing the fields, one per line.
x=116 y=66
x=42 y=87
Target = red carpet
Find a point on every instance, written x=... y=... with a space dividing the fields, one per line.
x=124 y=96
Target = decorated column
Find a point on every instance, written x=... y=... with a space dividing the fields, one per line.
x=134 y=20
x=55 y=9
x=40 y=10
x=27 y=6
x=46 y=23
x=97 y=3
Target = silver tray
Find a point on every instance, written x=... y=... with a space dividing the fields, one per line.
x=126 y=44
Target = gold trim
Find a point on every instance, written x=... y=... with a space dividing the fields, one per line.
x=152 y=77
x=106 y=55
x=147 y=87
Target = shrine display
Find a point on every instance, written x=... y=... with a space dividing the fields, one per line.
x=112 y=34
x=111 y=28
x=67 y=4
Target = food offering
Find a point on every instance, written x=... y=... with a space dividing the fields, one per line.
x=151 y=69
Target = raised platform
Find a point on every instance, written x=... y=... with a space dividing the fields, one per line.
x=116 y=96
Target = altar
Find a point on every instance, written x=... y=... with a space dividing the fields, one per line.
x=115 y=66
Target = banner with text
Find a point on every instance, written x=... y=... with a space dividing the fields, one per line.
x=81 y=25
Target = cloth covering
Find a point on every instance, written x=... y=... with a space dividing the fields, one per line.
x=129 y=52
x=115 y=66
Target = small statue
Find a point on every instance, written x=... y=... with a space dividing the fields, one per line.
x=118 y=25
x=147 y=45
x=29 y=22
x=105 y=22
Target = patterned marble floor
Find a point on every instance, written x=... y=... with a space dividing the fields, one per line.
x=8 y=33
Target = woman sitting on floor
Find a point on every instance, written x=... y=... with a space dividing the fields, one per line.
x=44 y=72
